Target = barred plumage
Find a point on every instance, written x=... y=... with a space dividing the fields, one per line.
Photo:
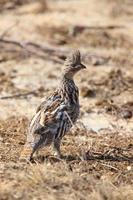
x=57 y=114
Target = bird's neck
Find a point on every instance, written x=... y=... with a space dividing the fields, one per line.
x=67 y=76
x=69 y=90
x=68 y=85
x=67 y=80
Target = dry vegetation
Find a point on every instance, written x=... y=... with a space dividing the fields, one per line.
x=35 y=37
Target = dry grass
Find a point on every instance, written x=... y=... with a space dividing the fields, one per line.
x=91 y=170
x=58 y=182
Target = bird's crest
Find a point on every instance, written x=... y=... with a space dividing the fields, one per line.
x=74 y=58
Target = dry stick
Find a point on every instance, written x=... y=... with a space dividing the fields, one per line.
x=59 y=52
x=46 y=57
x=19 y=44
x=80 y=28
x=49 y=52
x=99 y=27
x=45 y=49
x=109 y=166
x=19 y=95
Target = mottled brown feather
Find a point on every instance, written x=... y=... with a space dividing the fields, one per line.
x=56 y=115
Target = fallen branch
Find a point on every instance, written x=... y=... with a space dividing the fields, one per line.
x=47 y=52
x=74 y=30
x=42 y=51
x=19 y=95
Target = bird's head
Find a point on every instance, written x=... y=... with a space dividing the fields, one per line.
x=73 y=64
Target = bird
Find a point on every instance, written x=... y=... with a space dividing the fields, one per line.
x=57 y=114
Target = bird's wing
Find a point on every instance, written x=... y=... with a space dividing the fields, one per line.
x=50 y=118
x=47 y=103
x=54 y=120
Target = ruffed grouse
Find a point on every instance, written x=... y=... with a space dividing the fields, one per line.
x=57 y=114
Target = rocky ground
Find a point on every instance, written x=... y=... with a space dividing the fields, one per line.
x=35 y=38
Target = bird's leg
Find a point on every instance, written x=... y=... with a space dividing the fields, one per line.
x=27 y=153
x=56 y=148
x=29 y=150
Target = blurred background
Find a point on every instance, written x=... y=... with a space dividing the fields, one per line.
x=35 y=38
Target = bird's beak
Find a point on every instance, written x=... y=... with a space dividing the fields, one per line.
x=83 y=66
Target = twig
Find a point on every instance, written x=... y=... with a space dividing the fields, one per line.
x=18 y=95
x=80 y=28
x=44 y=51
x=19 y=44
x=109 y=166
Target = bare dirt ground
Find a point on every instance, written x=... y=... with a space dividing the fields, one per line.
x=35 y=38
